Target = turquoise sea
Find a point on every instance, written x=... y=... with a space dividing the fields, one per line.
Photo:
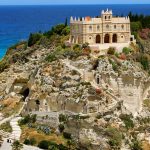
x=17 y=22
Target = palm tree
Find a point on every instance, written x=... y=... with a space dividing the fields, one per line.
x=17 y=145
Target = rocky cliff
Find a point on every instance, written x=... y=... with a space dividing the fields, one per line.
x=105 y=99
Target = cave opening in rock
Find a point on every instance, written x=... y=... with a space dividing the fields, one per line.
x=37 y=102
x=98 y=80
x=25 y=93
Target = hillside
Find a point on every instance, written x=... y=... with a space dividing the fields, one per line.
x=79 y=100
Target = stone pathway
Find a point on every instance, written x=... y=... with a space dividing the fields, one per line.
x=16 y=130
x=7 y=146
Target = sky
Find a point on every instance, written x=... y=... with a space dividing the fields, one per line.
x=60 y=2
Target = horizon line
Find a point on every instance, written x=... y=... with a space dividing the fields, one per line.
x=68 y=4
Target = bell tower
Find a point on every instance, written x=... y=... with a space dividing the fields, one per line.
x=106 y=15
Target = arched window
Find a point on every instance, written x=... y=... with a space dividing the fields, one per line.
x=107 y=26
x=115 y=26
x=114 y=38
x=109 y=17
x=98 y=38
x=105 y=17
x=122 y=26
x=98 y=28
x=90 y=28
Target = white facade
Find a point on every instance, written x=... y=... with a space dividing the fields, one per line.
x=104 y=29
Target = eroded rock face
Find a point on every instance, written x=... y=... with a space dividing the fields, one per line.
x=130 y=85
x=60 y=85
x=69 y=87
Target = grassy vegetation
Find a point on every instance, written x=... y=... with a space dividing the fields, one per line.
x=114 y=64
x=115 y=137
x=16 y=145
x=6 y=127
x=147 y=103
x=127 y=121
x=126 y=50
x=136 y=145
x=4 y=63
x=10 y=107
x=28 y=119
x=19 y=52
x=38 y=136
x=63 y=52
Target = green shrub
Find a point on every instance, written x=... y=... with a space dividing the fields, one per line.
x=62 y=118
x=147 y=103
x=60 y=29
x=33 y=118
x=116 y=54
x=126 y=50
x=43 y=144
x=127 y=120
x=6 y=127
x=114 y=65
x=145 y=62
x=115 y=136
x=53 y=146
x=51 y=57
x=136 y=26
x=34 y=38
x=61 y=128
x=50 y=145
x=4 y=63
x=32 y=141
x=76 y=47
x=67 y=135
x=111 y=51
x=62 y=147
x=26 y=142
x=66 y=30
x=85 y=45
x=25 y=120
x=136 y=145
x=28 y=119
x=17 y=145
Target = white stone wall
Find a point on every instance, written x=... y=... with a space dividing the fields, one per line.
x=87 y=29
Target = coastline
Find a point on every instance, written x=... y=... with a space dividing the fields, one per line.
x=12 y=29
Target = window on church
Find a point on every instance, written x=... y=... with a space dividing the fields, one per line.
x=90 y=28
x=98 y=28
x=115 y=26
x=105 y=17
x=107 y=26
x=109 y=17
x=122 y=26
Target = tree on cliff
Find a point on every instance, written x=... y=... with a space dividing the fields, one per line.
x=33 y=38
x=17 y=145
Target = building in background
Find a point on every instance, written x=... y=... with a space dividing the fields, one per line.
x=100 y=30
